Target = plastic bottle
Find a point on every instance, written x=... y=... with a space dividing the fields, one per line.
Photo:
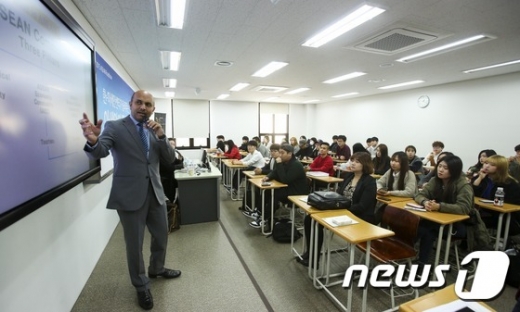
x=499 y=197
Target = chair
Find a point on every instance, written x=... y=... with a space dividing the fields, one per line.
x=397 y=248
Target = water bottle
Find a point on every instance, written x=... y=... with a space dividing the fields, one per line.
x=499 y=197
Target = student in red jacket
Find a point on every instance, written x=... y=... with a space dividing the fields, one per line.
x=323 y=162
x=232 y=151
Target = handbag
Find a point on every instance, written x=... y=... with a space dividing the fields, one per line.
x=326 y=200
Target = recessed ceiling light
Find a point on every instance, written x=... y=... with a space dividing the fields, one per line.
x=345 y=77
x=223 y=63
x=491 y=66
x=170 y=60
x=269 y=69
x=376 y=80
x=345 y=94
x=297 y=90
x=445 y=48
x=169 y=94
x=222 y=96
x=310 y=101
x=401 y=84
x=239 y=86
x=273 y=89
x=386 y=65
x=170 y=13
x=354 y=19
x=169 y=83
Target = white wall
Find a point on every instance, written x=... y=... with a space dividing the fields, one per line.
x=467 y=117
x=233 y=120
x=47 y=257
x=297 y=113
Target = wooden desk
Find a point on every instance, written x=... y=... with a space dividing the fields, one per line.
x=326 y=179
x=440 y=218
x=353 y=234
x=274 y=185
x=392 y=199
x=376 y=176
x=243 y=153
x=435 y=299
x=232 y=168
x=306 y=161
x=504 y=210
x=250 y=175
x=339 y=160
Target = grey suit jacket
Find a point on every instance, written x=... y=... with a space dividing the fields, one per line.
x=132 y=170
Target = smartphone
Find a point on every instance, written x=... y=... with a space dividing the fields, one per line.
x=266 y=183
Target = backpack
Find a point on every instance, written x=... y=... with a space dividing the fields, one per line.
x=174 y=216
x=282 y=231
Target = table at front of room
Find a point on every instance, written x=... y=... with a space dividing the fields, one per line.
x=231 y=171
x=194 y=207
x=440 y=218
x=217 y=159
x=435 y=299
x=507 y=209
x=353 y=234
x=274 y=185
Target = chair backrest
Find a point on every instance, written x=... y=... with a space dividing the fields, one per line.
x=403 y=223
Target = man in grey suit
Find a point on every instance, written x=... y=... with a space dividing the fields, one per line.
x=137 y=145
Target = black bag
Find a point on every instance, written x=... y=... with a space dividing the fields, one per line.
x=174 y=216
x=282 y=231
x=326 y=200
x=513 y=272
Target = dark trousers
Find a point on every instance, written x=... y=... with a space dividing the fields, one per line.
x=280 y=196
x=151 y=215
x=427 y=233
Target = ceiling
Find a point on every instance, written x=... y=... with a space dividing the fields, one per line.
x=252 y=33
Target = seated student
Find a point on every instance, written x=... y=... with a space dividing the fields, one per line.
x=492 y=175
x=399 y=180
x=243 y=147
x=426 y=178
x=261 y=148
x=269 y=166
x=305 y=152
x=323 y=162
x=414 y=162
x=288 y=170
x=252 y=160
x=343 y=150
x=381 y=161
x=345 y=166
x=371 y=148
x=266 y=142
x=474 y=170
x=231 y=150
x=315 y=147
x=430 y=160
x=449 y=192
x=358 y=147
x=360 y=188
x=220 y=143
x=167 y=172
x=334 y=144
x=514 y=164
x=294 y=143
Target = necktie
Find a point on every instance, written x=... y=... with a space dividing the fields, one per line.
x=143 y=136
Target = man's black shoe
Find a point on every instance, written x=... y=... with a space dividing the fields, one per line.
x=145 y=299
x=167 y=273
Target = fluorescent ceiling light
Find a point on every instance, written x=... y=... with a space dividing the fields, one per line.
x=169 y=94
x=239 y=86
x=491 y=66
x=271 y=98
x=169 y=83
x=401 y=84
x=349 y=22
x=311 y=101
x=345 y=94
x=170 y=13
x=345 y=77
x=297 y=90
x=170 y=60
x=269 y=69
x=444 y=48
x=222 y=96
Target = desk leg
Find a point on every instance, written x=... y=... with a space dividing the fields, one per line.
x=506 y=231
x=448 y=242
x=245 y=198
x=499 y=231
x=292 y=231
x=310 y=249
x=439 y=243
x=271 y=221
x=367 y=263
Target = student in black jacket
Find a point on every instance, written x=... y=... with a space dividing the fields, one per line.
x=167 y=173
x=360 y=188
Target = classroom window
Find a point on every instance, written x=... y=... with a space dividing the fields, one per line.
x=275 y=126
x=192 y=143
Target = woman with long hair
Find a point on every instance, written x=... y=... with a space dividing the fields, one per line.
x=232 y=151
x=473 y=171
x=399 y=180
x=449 y=192
x=381 y=161
x=494 y=174
x=360 y=188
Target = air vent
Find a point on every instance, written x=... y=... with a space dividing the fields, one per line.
x=270 y=89
x=394 y=41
